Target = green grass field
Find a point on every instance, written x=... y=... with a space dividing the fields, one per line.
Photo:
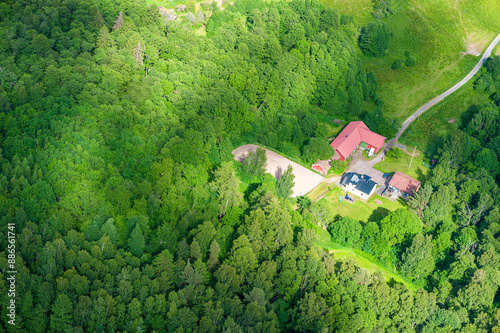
x=452 y=114
x=360 y=210
x=360 y=258
x=417 y=170
x=437 y=33
x=365 y=261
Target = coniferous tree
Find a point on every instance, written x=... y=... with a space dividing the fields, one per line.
x=119 y=22
x=136 y=242
x=285 y=183
x=375 y=38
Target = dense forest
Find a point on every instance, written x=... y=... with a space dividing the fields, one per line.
x=131 y=215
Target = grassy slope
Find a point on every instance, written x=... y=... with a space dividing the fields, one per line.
x=431 y=128
x=436 y=33
x=417 y=170
x=359 y=210
x=361 y=259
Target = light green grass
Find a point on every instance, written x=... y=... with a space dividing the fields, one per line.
x=360 y=210
x=430 y=129
x=436 y=33
x=361 y=259
x=319 y=190
x=417 y=170
x=359 y=9
x=364 y=261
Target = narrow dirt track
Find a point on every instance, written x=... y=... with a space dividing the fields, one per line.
x=305 y=179
x=447 y=93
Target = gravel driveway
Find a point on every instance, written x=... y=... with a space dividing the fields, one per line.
x=305 y=179
x=361 y=166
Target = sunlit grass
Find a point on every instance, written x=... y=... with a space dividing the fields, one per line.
x=416 y=169
x=435 y=32
x=364 y=261
x=430 y=129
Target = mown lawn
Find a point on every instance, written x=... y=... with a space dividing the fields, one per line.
x=417 y=169
x=360 y=210
x=436 y=33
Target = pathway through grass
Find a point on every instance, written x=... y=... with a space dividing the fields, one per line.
x=364 y=261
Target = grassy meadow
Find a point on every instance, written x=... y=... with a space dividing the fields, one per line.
x=363 y=211
x=430 y=129
x=417 y=170
x=437 y=33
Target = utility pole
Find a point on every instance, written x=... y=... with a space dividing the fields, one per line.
x=412 y=156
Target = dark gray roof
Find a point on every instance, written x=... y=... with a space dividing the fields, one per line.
x=362 y=182
x=366 y=186
x=346 y=179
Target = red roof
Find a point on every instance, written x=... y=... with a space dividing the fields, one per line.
x=352 y=135
x=404 y=183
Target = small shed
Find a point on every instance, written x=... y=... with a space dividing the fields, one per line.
x=321 y=166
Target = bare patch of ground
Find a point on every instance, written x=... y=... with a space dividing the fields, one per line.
x=451 y=121
x=305 y=179
x=473 y=48
x=201 y=31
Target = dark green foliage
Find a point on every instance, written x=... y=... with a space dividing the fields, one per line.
x=136 y=242
x=418 y=202
x=338 y=167
x=317 y=149
x=410 y=62
x=254 y=164
x=375 y=38
x=395 y=152
x=396 y=64
x=417 y=261
x=346 y=231
x=285 y=183
x=116 y=168
x=377 y=122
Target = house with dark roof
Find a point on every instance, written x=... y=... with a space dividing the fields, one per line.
x=402 y=184
x=356 y=135
x=359 y=185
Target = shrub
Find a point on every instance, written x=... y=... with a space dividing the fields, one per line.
x=395 y=153
x=396 y=64
x=410 y=62
x=338 y=167
x=374 y=39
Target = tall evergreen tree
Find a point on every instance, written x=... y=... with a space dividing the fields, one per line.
x=136 y=242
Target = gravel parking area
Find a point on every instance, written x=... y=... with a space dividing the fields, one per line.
x=305 y=179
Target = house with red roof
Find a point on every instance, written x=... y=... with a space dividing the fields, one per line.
x=402 y=184
x=356 y=134
x=322 y=167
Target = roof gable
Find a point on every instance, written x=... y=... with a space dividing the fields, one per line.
x=352 y=135
x=361 y=183
x=404 y=183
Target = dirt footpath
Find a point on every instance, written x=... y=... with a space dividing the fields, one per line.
x=305 y=179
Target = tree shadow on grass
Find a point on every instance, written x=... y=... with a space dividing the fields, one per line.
x=420 y=175
x=467 y=116
x=378 y=214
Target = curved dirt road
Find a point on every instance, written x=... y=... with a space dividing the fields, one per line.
x=439 y=98
x=305 y=179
